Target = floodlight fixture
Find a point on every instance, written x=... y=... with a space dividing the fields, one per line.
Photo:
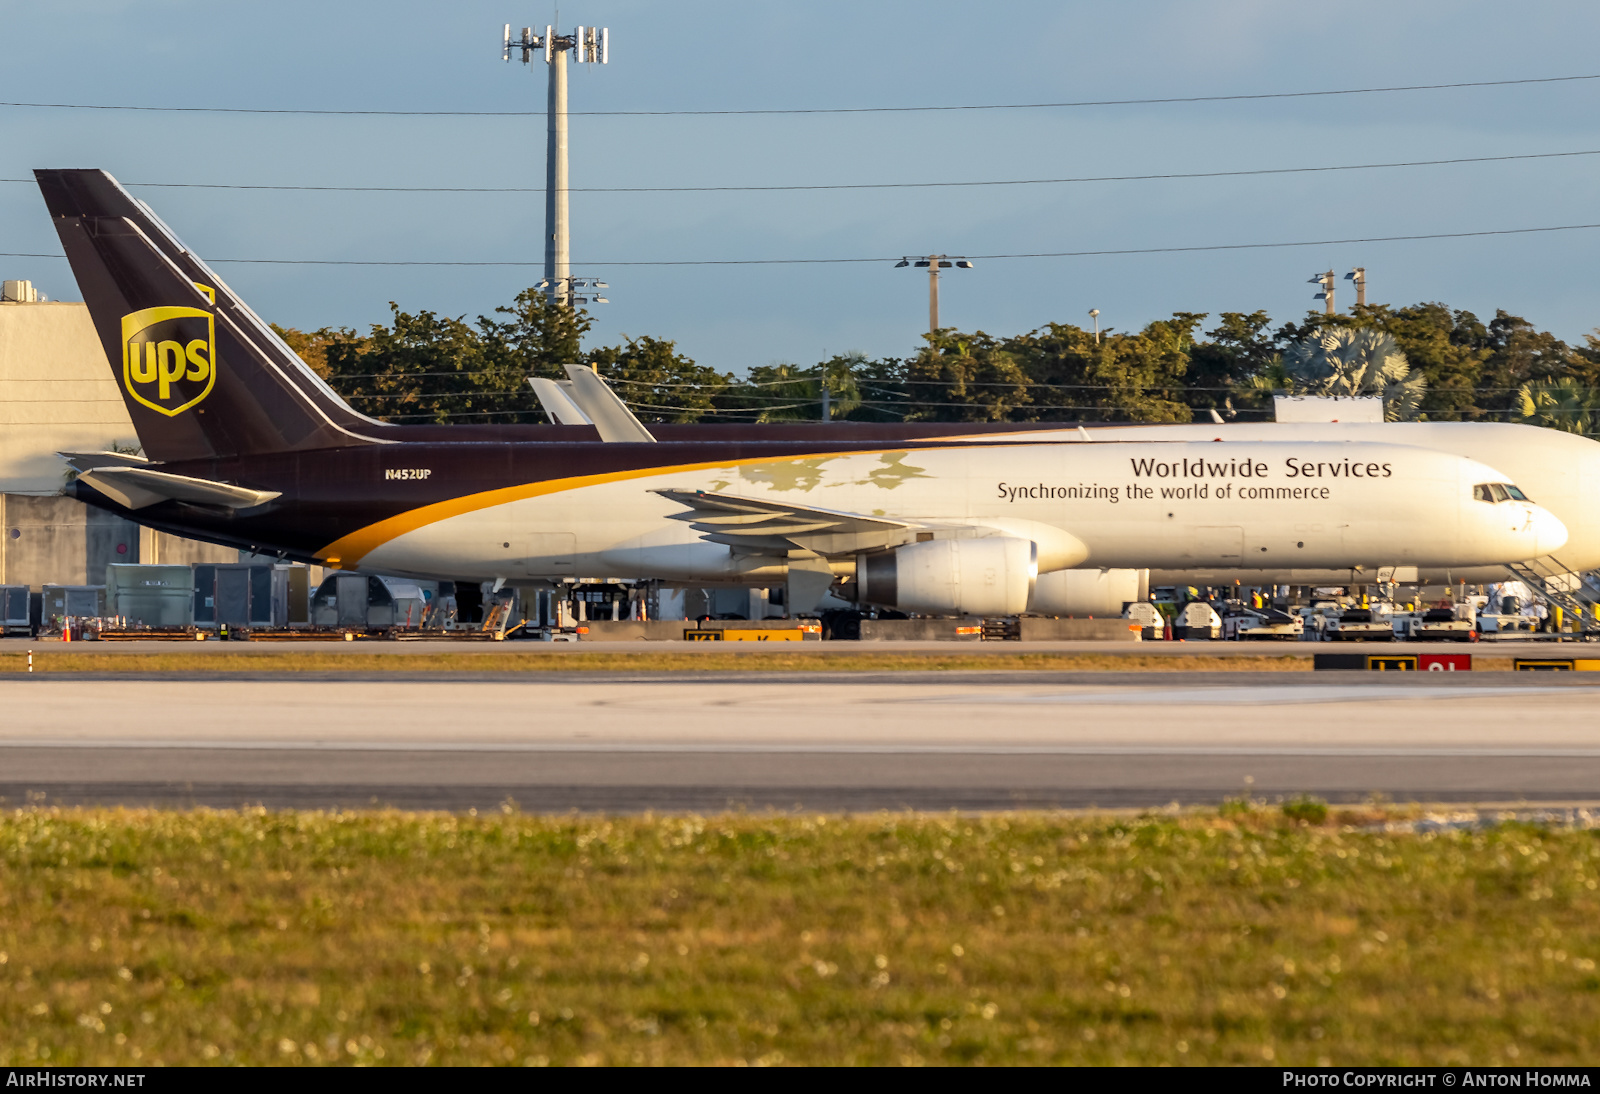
x=932 y=264
x=574 y=290
x=1326 y=280
x=1359 y=276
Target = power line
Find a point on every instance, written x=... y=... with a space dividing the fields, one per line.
x=1153 y=101
x=893 y=258
x=342 y=376
x=729 y=392
x=711 y=410
x=849 y=185
x=736 y=390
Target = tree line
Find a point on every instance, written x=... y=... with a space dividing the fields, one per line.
x=1429 y=361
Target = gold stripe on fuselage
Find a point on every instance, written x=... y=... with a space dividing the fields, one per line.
x=348 y=551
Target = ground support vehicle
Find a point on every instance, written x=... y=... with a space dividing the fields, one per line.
x=1360 y=625
x=1493 y=627
x=1152 y=624
x=1269 y=623
x=1197 y=620
x=1436 y=625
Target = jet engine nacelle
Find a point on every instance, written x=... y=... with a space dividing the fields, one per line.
x=1088 y=592
x=989 y=576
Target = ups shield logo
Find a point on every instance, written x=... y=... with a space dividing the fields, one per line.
x=169 y=356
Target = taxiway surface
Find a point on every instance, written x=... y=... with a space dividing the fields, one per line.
x=821 y=742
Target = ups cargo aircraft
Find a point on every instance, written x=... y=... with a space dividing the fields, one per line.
x=244 y=445
x=1559 y=470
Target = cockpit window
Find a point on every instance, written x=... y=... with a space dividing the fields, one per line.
x=1497 y=491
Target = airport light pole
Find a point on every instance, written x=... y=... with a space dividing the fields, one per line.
x=1359 y=276
x=934 y=263
x=588 y=45
x=1327 y=283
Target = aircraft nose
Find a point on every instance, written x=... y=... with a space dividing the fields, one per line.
x=1548 y=531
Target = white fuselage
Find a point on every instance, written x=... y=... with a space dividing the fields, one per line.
x=1135 y=504
x=1559 y=471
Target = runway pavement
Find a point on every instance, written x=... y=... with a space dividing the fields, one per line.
x=819 y=742
x=999 y=650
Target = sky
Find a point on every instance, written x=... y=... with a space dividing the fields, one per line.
x=709 y=56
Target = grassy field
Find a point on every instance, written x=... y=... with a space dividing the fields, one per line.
x=850 y=659
x=387 y=938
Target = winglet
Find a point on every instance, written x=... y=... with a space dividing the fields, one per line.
x=601 y=405
x=556 y=399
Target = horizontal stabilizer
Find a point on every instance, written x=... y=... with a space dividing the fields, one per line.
x=88 y=461
x=141 y=487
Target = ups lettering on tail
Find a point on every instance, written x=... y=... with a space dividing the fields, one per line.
x=169 y=356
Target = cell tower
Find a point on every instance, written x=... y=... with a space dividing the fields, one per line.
x=588 y=45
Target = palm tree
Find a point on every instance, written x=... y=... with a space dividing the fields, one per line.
x=788 y=393
x=1346 y=362
x=1558 y=404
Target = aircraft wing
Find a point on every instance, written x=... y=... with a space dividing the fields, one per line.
x=141 y=487
x=762 y=526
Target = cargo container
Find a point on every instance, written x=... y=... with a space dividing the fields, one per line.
x=14 y=616
x=71 y=602
x=151 y=596
x=252 y=595
x=356 y=601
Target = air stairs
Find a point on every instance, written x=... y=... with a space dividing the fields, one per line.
x=1558 y=586
x=495 y=619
